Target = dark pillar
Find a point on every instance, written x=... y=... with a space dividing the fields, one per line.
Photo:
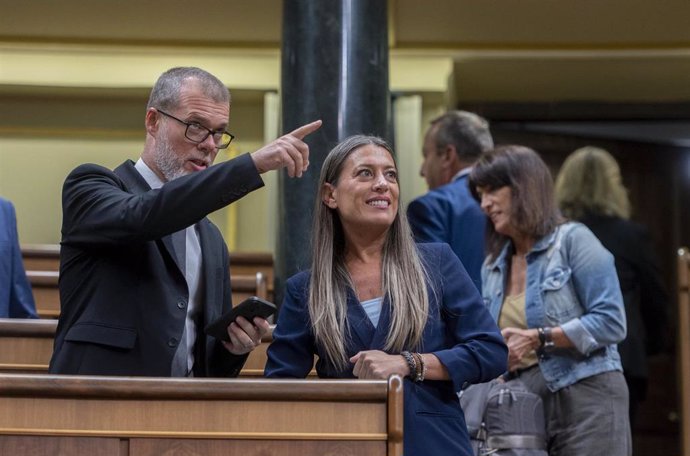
x=334 y=68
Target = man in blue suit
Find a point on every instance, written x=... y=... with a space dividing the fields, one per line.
x=448 y=212
x=16 y=300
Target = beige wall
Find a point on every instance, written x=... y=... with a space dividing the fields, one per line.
x=32 y=171
x=65 y=104
x=34 y=166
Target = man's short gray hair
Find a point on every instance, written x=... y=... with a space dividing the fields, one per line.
x=166 y=91
x=468 y=132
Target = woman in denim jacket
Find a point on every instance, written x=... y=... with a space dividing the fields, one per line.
x=553 y=289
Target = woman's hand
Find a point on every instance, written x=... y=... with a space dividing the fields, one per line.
x=375 y=364
x=520 y=343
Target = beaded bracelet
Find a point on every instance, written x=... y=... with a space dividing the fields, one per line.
x=411 y=363
x=421 y=368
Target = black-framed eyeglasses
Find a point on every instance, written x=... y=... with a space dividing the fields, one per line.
x=197 y=133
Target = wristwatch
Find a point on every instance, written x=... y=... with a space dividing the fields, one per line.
x=545 y=338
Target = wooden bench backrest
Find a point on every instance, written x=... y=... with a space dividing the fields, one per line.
x=252 y=262
x=41 y=257
x=46 y=257
x=103 y=416
x=44 y=285
x=27 y=345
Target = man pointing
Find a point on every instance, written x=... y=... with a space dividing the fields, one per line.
x=142 y=270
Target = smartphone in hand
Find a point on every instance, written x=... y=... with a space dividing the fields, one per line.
x=249 y=308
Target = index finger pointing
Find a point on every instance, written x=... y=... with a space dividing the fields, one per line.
x=304 y=130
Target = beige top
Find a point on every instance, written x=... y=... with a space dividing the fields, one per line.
x=513 y=316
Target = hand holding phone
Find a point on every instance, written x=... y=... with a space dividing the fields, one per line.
x=249 y=308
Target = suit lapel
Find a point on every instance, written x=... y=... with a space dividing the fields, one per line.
x=137 y=185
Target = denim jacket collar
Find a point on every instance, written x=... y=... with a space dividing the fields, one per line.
x=541 y=244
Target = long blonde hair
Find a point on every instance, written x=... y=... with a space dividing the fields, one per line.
x=590 y=182
x=404 y=277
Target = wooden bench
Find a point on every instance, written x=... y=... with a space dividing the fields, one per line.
x=684 y=345
x=26 y=346
x=41 y=257
x=104 y=416
x=44 y=285
x=246 y=285
x=252 y=262
x=46 y=257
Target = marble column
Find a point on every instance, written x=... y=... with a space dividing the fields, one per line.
x=334 y=68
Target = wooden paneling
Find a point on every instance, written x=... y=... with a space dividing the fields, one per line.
x=27 y=345
x=46 y=257
x=251 y=263
x=205 y=416
x=44 y=285
x=156 y=447
x=46 y=445
x=246 y=285
x=42 y=261
x=41 y=257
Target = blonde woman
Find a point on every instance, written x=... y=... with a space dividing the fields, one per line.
x=589 y=189
x=376 y=304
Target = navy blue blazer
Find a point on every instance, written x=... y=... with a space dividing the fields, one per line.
x=459 y=331
x=16 y=300
x=123 y=295
x=450 y=214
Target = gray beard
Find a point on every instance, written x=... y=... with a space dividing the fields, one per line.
x=168 y=162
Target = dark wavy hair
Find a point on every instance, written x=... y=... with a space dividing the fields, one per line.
x=534 y=212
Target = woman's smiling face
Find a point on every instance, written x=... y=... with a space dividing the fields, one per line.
x=366 y=193
x=497 y=205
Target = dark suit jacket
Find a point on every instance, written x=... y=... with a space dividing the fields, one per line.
x=16 y=299
x=123 y=296
x=459 y=331
x=450 y=214
x=646 y=301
